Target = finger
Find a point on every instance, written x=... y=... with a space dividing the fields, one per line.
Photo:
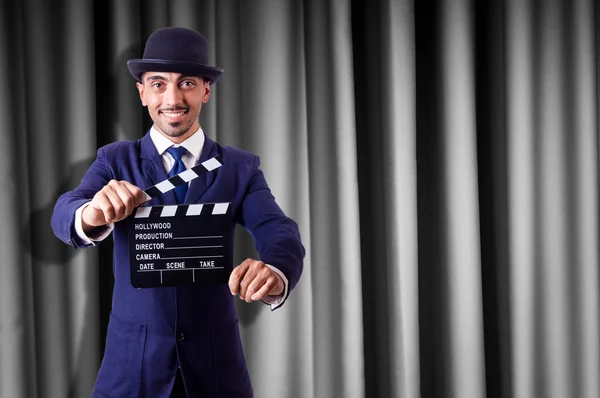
x=141 y=197
x=115 y=201
x=264 y=290
x=127 y=198
x=93 y=214
x=102 y=203
x=126 y=193
x=236 y=276
x=247 y=280
x=255 y=285
x=138 y=194
x=260 y=278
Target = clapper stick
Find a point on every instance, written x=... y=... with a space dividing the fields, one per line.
x=182 y=210
x=182 y=178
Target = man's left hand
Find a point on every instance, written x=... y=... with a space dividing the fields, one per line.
x=253 y=280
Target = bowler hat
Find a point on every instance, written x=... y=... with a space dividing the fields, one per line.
x=175 y=50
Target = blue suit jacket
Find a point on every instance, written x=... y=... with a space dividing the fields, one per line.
x=152 y=331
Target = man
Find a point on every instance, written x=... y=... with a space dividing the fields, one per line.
x=178 y=341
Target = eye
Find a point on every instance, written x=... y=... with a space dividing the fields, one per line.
x=156 y=85
x=187 y=83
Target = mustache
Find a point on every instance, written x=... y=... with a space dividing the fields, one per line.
x=174 y=109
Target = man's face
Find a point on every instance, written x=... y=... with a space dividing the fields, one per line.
x=174 y=102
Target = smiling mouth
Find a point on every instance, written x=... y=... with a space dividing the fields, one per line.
x=173 y=114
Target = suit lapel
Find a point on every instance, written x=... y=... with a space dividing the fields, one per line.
x=154 y=169
x=199 y=185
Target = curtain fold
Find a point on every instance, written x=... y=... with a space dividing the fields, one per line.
x=335 y=244
x=17 y=337
x=387 y=171
x=521 y=188
x=585 y=204
x=440 y=158
x=398 y=119
x=459 y=224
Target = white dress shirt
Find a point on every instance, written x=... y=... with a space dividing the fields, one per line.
x=193 y=145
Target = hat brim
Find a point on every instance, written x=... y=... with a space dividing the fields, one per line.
x=137 y=67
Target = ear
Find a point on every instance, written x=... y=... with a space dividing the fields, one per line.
x=206 y=92
x=140 y=88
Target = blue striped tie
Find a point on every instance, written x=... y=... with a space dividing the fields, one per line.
x=177 y=168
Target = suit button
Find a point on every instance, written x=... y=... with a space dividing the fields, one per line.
x=180 y=337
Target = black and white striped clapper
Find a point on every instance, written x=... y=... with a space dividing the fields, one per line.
x=183 y=178
x=180 y=245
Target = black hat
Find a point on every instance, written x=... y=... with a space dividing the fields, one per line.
x=175 y=50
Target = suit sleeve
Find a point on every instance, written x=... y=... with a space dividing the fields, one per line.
x=63 y=216
x=276 y=236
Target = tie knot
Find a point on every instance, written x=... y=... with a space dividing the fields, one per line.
x=177 y=153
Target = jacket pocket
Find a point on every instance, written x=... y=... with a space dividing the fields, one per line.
x=121 y=369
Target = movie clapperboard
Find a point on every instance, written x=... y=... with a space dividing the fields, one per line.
x=178 y=245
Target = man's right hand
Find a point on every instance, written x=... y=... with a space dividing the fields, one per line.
x=114 y=202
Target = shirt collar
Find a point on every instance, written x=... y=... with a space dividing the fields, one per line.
x=193 y=144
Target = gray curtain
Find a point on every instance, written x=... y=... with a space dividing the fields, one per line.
x=440 y=157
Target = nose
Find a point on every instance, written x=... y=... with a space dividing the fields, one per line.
x=172 y=96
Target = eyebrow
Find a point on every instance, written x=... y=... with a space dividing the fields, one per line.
x=186 y=77
x=156 y=77
x=159 y=77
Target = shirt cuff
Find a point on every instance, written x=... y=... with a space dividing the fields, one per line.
x=277 y=301
x=97 y=235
